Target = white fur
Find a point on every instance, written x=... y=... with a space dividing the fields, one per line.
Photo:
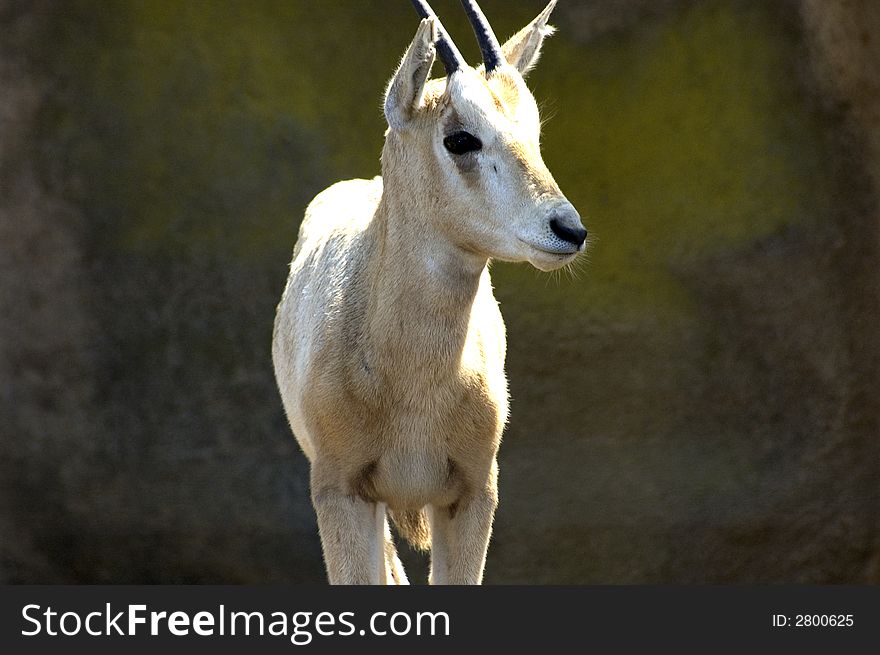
x=389 y=344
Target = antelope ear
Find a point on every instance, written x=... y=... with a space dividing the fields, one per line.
x=407 y=87
x=523 y=48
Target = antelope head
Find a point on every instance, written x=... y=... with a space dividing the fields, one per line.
x=470 y=144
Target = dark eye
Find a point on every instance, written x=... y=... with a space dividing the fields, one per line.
x=460 y=143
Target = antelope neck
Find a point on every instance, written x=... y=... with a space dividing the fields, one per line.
x=423 y=287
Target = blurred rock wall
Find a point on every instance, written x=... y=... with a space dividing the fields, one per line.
x=696 y=403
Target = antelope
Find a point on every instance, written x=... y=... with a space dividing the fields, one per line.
x=388 y=344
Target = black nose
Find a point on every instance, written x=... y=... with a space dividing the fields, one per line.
x=566 y=224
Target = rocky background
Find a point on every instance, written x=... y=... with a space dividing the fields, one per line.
x=699 y=403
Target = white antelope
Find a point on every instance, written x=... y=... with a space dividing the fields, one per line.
x=388 y=344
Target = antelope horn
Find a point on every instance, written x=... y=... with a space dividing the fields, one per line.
x=493 y=57
x=448 y=53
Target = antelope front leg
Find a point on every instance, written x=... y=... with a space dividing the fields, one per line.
x=460 y=537
x=352 y=533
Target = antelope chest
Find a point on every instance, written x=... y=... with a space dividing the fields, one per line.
x=432 y=449
x=411 y=422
